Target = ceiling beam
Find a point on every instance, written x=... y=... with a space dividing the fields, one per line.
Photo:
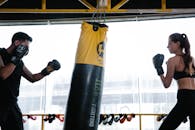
x=87 y=4
x=141 y=11
x=11 y=10
x=2 y=2
x=43 y=4
x=91 y=9
x=121 y=3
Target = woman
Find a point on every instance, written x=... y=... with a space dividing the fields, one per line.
x=181 y=67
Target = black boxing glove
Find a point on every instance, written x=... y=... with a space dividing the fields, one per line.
x=51 y=66
x=158 y=61
x=19 y=52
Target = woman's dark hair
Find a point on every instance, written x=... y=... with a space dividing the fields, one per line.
x=184 y=44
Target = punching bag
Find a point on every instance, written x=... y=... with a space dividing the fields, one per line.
x=83 y=106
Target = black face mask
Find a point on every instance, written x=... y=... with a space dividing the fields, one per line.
x=22 y=49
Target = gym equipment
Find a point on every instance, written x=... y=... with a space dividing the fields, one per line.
x=82 y=112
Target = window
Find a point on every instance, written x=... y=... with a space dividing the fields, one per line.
x=131 y=84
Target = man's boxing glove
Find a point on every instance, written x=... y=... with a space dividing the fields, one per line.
x=51 y=66
x=158 y=61
x=19 y=52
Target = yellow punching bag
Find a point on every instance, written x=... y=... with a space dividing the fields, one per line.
x=83 y=107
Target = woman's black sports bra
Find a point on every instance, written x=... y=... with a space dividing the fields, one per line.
x=182 y=74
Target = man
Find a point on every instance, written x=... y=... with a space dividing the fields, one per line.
x=11 y=70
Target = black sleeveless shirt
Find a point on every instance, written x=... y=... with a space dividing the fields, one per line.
x=9 y=88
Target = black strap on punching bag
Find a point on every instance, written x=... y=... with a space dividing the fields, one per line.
x=83 y=107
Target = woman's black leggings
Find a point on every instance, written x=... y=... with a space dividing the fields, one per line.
x=185 y=107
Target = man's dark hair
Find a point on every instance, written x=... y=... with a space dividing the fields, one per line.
x=21 y=36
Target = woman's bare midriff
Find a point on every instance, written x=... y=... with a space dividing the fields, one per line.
x=186 y=83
